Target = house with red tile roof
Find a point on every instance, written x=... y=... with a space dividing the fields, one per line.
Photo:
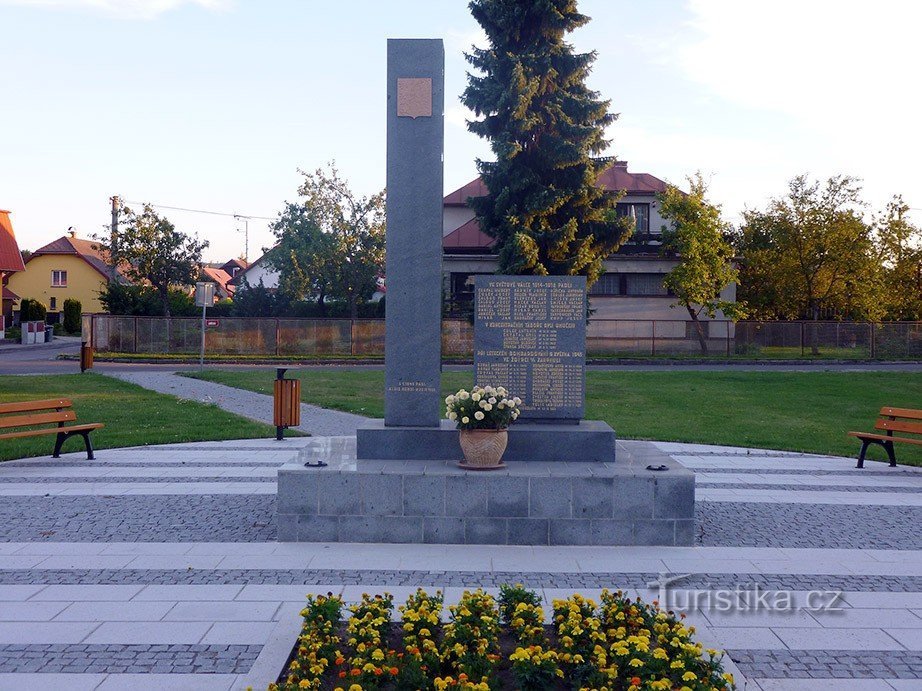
x=632 y=285
x=10 y=262
x=69 y=267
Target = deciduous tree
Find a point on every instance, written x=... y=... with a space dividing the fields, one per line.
x=899 y=244
x=697 y=238
x=149 y=249
x=332 y=243
x=810 y=254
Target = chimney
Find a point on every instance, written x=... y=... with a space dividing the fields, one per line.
x=621 y=164
x=72 y=232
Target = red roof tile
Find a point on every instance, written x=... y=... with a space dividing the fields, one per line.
x=9 y=294
x=10 y=258
x=88 y=250
x=616 y=178
x=220 y=277
x=468 y=236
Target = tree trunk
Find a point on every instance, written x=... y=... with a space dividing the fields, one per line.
x=165 y=300
x=814 y=341
x=321 y=305
x=699 y=327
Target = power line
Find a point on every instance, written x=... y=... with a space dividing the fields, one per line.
x=201 y=211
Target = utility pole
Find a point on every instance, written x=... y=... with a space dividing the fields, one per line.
x=246 y=235
x=113 y=230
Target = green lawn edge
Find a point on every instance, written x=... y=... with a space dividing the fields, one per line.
x=807 y=412
x=132 y=415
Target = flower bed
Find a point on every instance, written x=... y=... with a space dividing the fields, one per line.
x=617 y=644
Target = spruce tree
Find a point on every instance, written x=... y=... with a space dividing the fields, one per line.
x=547 y=131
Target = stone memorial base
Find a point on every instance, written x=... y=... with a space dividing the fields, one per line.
x=588 y=441
x=526 y=503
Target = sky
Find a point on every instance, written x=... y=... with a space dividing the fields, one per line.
x=215 y=104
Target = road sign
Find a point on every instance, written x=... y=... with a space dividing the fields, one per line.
x=212 y=322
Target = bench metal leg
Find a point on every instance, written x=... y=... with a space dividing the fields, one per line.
x=89 y=446
x=888 y=445
x=864 y=449
x=58 y=443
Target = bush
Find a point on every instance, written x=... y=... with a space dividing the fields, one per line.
x=14 y=333
x=222 y=308
x=72 y=311
x=31 y=310
x=143 y=301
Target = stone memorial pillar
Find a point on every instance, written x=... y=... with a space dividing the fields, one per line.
x=415 y=141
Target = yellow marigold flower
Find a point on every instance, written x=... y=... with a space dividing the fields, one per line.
x=635 y=662
x=689 y=676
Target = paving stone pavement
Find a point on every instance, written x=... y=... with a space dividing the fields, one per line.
x=319 y=422
x=829 y=664
x=171 y=583
x=128 y=659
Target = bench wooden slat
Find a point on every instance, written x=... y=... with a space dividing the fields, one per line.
x=899 y=426
x=39 y=419
x=51 y=430
x=30 y=406
x=884 y=437
x=889 y=411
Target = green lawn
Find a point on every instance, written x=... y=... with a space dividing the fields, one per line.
x=132 y=416
x=809 y=411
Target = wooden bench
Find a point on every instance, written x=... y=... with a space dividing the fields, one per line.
x=903 y=420
x=55 y=411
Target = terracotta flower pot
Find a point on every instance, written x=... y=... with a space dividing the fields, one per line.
x=483 y=447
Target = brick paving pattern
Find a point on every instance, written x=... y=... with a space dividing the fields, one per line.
x=128 y=659
x=829 y=664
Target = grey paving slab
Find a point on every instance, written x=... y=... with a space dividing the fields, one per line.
x=314 y=420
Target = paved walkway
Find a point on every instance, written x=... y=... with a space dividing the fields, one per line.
x=158 y=568
x=320 y=422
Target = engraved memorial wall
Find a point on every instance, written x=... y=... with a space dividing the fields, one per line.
x=530 y=336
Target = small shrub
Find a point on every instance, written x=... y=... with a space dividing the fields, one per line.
x=31 y=310
x=72 y=311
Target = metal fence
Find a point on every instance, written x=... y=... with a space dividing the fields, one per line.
x=604 y=337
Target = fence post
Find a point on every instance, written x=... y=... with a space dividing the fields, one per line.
x=278 y=336
x=135 y=334
x=352 y=336
x=727 y=325
x=653 y=339
x=873 y=326
x=802 y=339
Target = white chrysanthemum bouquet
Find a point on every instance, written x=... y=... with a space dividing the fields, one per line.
x=483 y=408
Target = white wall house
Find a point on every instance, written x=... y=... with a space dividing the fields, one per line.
x=256 y=272
x=632 y=286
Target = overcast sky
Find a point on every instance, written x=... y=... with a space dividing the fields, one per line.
x=215 y=104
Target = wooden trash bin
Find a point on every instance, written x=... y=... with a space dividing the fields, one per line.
x=286 y=403
x=86 y=356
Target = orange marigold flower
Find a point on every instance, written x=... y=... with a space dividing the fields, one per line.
x=635 y=681
x=342 y=675
x=462 y=677
x=340 y=660
x=356 y=671
x=394 y=671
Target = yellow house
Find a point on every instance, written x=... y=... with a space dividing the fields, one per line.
x=69 y=267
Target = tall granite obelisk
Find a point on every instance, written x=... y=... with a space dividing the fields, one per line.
x=415 y=142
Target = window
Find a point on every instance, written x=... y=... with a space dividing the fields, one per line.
x=639 y=212
x=608 y=284
x=58 y=279
x=645 y=284
x=53 y=303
